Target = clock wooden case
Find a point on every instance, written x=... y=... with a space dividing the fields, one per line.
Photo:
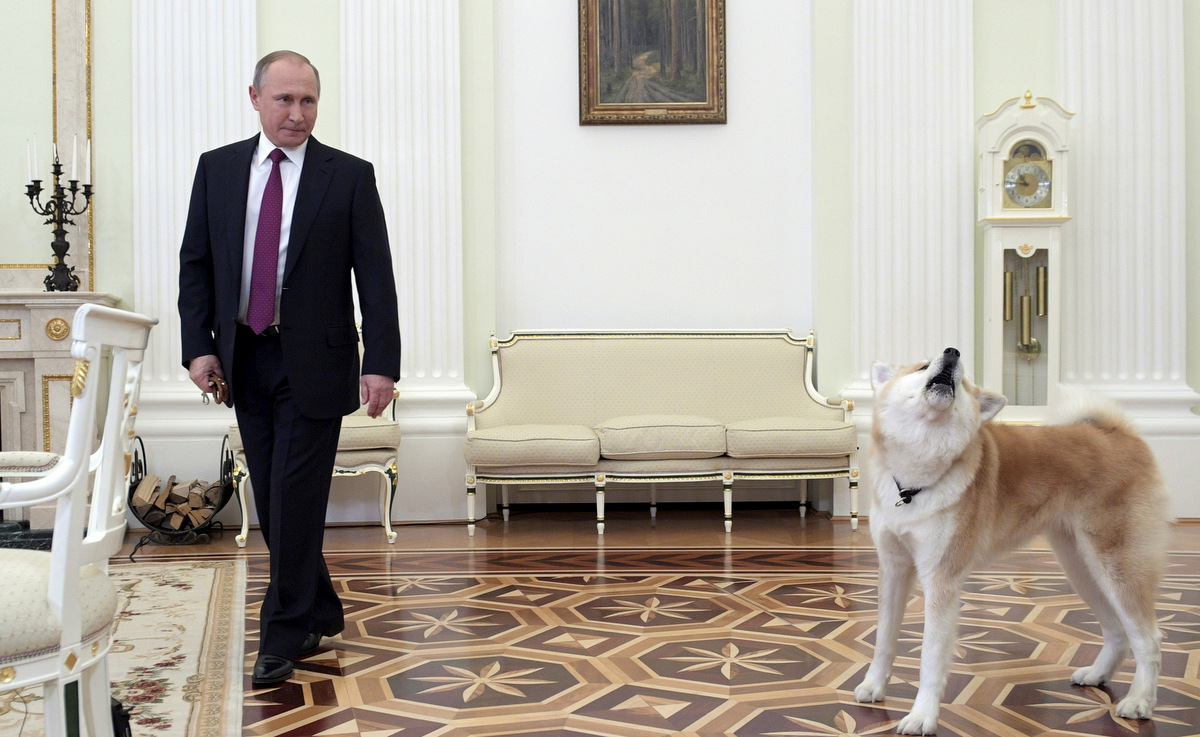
x=1024 y=202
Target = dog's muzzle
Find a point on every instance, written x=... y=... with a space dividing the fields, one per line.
x=944 y=380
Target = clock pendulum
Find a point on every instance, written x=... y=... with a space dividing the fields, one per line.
x=1029 y=348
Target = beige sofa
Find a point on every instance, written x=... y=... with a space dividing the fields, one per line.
x=574 y=407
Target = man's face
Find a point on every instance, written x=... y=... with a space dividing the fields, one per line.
x=287 y=102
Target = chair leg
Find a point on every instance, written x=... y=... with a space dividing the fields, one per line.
x=55 y=708
x=727 y=482
x=854 y=500
x=93 y=700
x=803 y=496
x=653 y=503
x=392 y=474
x=504 y=501
x=470 y=505
x=599 y=504
x=239 y=477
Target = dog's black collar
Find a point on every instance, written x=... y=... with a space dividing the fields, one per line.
x=906 y=494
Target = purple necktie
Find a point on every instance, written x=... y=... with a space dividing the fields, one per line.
x=260 y=312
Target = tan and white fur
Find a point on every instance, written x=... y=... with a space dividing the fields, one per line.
x=1088 y=483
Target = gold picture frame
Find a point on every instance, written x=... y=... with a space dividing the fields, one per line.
x=651 y=61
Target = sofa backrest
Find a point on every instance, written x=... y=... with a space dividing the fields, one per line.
x=587 y=378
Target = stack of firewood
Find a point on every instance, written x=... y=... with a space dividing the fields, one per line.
x=176 y=506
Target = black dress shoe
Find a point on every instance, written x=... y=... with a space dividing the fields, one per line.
x=311 y=644
x=312 y=641
x=270 y=669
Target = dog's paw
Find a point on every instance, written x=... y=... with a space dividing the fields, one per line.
x=918 y=722
x=1089 y=676
x=870 y=690
x=1132 y=707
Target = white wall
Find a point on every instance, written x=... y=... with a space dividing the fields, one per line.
x=654 y=226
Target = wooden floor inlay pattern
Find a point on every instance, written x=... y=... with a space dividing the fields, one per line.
x=651 y=642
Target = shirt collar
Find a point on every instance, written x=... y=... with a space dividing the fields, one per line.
x=265 y=147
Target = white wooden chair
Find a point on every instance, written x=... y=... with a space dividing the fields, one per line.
x=58 y=606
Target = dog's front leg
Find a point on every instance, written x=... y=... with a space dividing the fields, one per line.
x=895 y=584
x=937 y=650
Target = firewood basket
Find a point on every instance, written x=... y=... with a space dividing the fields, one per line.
x=162 y=534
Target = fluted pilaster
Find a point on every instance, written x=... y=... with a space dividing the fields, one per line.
x=1125 y=294
x=191 y=66
x=401 y=111
x=913 y=209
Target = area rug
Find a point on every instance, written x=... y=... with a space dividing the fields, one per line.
x=176 y=659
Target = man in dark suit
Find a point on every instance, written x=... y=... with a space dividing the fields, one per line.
x=278 y=229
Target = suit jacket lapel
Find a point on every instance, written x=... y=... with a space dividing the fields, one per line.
x=314 y=182
x=237 y=188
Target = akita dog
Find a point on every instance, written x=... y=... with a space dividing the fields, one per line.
x=951 y=489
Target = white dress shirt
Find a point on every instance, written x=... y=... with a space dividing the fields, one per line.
x=260 y=170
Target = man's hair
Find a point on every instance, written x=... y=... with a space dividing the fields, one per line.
x=260 y=69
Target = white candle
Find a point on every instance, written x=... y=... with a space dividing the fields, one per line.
x=87 y=163
x=54 y=151
x=35 y=164
x=74 y=156
x=29 y=159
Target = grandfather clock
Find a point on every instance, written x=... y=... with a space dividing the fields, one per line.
x=1024 y=200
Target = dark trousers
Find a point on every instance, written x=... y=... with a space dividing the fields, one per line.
x=291 y=464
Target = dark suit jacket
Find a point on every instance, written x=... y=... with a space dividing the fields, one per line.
x=337 y=231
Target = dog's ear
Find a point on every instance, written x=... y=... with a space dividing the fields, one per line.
x=881 y=373
x=990 y=404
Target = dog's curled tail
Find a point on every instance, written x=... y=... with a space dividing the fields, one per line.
x=1077 y=405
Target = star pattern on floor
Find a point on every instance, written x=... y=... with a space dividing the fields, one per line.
x=641 y=643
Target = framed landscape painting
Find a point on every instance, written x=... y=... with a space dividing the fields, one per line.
x=651 y=61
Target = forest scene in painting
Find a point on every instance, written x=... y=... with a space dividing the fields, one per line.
x=652 y=51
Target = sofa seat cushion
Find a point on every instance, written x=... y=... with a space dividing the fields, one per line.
x=652 y=437
x=361 y=432
x=790 y=437
x=533 y=445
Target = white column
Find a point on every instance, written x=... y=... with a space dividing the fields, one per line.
x=1124 y=331
x=913 y=208
x=913 y=233
x=400 y=110
x=192 y=63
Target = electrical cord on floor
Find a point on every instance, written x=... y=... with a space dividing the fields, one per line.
x=21 y=697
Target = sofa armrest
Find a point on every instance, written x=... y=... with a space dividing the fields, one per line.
x=846 y=405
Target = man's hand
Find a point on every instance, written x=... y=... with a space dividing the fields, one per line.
x=199 y=369
x=377 y=391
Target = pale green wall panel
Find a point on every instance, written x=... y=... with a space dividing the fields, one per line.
x=311 y=28
x=833 y=75
x=479 y=191
x=25 y=86
x=112 y=149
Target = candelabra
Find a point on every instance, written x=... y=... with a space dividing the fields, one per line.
x=58 y=210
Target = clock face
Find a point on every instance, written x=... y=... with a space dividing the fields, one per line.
x=1027 y=184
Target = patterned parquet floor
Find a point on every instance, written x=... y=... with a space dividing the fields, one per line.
x=537 y=627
